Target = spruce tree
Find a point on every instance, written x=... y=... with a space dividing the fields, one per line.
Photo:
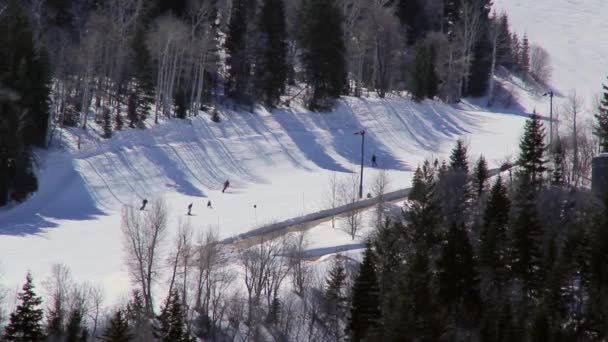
x=516 y=52
x=76 y=330
x=526 y=259
x=458 y=279
x=480 y=176
x=557 y=177
x=236 y=47
x=365 y=315
x=410 y=16
x=119 y=330
x=424 y=78
x=271 y=65
x=141 y=95
x=172 y=327
x=459 y=160
x=180 y=101
x=323 y=59
x=335 y=297
x=531 y=160
x=423 y=209
x=524 y=56
x=601 y=127
x=493 y=244
x=25 y=322
x=482 y=52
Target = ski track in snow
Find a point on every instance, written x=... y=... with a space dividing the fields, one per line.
x=281 y=162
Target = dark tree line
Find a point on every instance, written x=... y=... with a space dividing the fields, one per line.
x=521 y=260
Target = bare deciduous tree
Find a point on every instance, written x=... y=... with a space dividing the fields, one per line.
x=540 y=64
x=379 y=187
x=143 y=234
x=348 y=194
x=300 y=270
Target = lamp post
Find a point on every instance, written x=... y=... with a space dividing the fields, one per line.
x=362 y=134
x=550 y=94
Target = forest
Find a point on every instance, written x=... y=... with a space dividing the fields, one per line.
x=127 y=63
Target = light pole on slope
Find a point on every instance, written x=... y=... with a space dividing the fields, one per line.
x=362 y=134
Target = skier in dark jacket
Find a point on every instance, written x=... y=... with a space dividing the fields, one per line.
x=190 y=209
x=374 y=164
x=226 y=185
x=143 y=204
x=209 y=205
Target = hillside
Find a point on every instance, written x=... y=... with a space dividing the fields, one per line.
x=279 y=161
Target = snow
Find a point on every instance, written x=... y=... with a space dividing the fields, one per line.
x=280 y=161
x=571 y=31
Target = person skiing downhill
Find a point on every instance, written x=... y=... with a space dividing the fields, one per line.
x=226 y=185
x=374 y=164
x=190 y=209
x=209 y=205
x=143 y=204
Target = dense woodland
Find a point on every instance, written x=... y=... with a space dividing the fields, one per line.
x=125 y=63
x=522 y=256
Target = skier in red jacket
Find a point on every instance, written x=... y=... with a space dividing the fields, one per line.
x=226 y=185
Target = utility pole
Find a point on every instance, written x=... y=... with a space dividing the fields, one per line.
x=362 y=134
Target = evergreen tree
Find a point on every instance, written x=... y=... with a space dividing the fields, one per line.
x=526 y=257
x=141 y=96
x=524 y=56
x=459 y=161
x=323 y=59
x=411 y=17
x=504 y=53
x=557 y=177
x=107 y=123
x=119 y=330
x=365 y=315
x=424 y=77
x=172 y=327
x=271 y=66
x=482 y=53
x=412 y=313
x=480 y=176
x=236 y=47
x=137 y=316
x=601 y=127
x=335 y=297
x=458 y=279
x=76 y=330
x=25 y=321
x=181 y=106
x=516 y=51
x=531 y=156
x=493 y=243
x=423 y=209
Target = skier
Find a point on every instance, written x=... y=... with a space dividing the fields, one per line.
x=190 y=209
x=374 y=164
x=226 y=185
x=143 y=204
x=209 y=205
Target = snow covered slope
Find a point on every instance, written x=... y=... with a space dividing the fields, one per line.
x=281 y=162
x=572 y=32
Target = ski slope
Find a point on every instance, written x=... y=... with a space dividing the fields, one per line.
x=572 y=32
x=280 y=162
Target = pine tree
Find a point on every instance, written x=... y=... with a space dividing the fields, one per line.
x=601 y=127
x=236 y=47
x=482 y=53
x=171 y=321
x=557 y=177
x=181 y=107
x=141 y=95
x=323 y=59
x=119 y=330
x=335 y=297
x=504 y=53
x=365 y=315
x=480 y=176
x=137 y=316
x=458 y=279
x=424 y=77
x=410 y=17
x=493 y=243
x=531 y=156
x=107 y=123
x=516 y=52
x=75 y=329
x=459 y=160
x=524 y=57
x=412 y=313
x=25 y=321
x=526 y=243
x=423 y=209
x=271 y=66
